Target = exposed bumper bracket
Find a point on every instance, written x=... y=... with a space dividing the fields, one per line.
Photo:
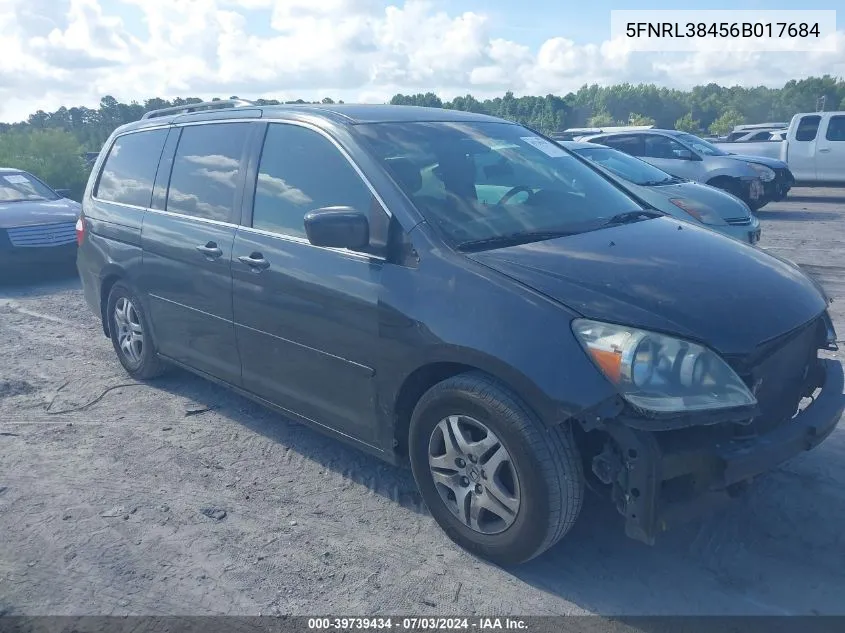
x=656 y=483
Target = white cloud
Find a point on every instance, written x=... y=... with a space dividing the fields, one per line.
x=72 y=52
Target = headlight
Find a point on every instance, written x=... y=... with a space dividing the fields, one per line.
x=700 y=212
x=764 y=172
x=661 y=373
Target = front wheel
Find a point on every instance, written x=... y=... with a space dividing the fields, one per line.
x=496 y=480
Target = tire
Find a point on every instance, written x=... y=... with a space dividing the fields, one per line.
x=731 y=185
x=138 y=356
x=548 y=482
x=735 y=188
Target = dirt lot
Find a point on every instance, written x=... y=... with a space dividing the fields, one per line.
x=112 y=497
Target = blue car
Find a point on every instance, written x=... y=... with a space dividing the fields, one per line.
x=686 y=200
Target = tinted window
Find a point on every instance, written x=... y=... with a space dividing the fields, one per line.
x=481 y=184
x=21 y=186
x=130 y=168
x=205 y=170
x=632 y=144
x=662 y=147
x=808 y=127
x=301 y=170
x=836 y=128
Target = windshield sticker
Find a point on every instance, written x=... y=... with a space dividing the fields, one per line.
x=17 y=179
x=549 y=149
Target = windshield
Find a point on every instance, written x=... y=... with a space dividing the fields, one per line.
x=700 y=145
x=20 y=187
x=626 y=166
x=480 y=181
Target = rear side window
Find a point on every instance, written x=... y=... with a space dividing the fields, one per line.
x=808 y=127
x=130 y=169
x=301 y=170
x=836 y=128
x=206 y=170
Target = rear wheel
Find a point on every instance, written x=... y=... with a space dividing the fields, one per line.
x=130 y=334
x=497 y=481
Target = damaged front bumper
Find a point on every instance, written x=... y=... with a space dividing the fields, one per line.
x=659 y=478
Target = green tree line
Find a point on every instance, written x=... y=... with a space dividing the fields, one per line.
x=52 y=145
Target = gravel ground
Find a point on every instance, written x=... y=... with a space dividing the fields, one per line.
x=181 y=498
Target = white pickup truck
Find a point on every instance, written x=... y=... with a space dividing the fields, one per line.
x=813 y=148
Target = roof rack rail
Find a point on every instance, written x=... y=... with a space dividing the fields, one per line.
x=193 y=107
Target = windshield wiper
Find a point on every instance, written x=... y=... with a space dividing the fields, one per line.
x=631 y=216
x=511 y=239
x=654 y=183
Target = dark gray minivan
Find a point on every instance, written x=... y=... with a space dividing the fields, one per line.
x=461 y=293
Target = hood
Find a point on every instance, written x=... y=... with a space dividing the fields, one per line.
x=721 y=202
x=774 y=163
x=668 y=276
x=29 y=213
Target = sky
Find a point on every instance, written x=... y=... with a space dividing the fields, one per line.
x=73 y=52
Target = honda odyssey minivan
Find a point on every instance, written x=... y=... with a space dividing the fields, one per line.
x=462 y=294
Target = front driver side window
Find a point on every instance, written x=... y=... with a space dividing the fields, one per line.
x=657 y=146
x=630 y=144
x=300 y=171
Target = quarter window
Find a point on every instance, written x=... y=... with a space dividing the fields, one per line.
x=301 y=170
x=836 y=128
x=808 y=127
x=130 y=169
x=206 y=169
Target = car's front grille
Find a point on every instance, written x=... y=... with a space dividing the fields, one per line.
x=779 y=378
x=42 y=235
x=738 y=221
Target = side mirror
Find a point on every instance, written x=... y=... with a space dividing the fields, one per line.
x=683 y=154
x=64 y=193
x=338 y=227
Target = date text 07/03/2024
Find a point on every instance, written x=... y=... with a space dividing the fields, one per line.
x=417 y=623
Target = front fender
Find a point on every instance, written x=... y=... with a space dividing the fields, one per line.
x=730 y=168
x=453 y=310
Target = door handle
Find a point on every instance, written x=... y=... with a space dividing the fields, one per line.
x=210 y=250
x=255 y=261
x=824 y=150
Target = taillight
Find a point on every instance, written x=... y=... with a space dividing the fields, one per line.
x=80 y=230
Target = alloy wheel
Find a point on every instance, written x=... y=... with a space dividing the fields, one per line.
x=474 y=474
x=130 y=332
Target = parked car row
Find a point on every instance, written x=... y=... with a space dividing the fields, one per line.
x=754 y=132
x=757 y=180
x=461 y=294
x=812 y=146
